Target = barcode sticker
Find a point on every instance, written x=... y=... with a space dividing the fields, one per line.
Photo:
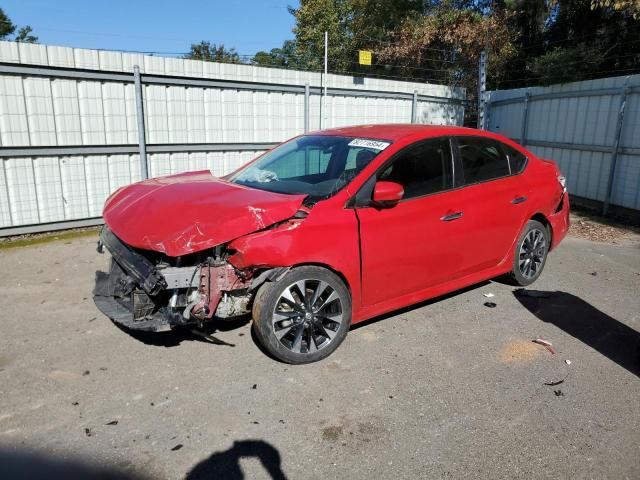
x=363 y=142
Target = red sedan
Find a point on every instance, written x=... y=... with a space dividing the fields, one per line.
x=327 y=230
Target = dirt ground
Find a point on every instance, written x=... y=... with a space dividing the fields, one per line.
x=446 y=389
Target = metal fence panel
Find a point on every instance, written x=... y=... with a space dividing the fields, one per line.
x=69 y=122
x=579 y=125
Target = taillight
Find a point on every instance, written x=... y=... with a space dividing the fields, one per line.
x=562 y=180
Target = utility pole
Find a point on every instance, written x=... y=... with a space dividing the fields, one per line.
x=326 y=56
x=482 y=88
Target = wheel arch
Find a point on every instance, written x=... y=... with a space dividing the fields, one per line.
x=544 y=221
x=341 y=275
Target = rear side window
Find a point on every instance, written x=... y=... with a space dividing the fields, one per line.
x=481 y=160
x=517 y=160
x=422 y=169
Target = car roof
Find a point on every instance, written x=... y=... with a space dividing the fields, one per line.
x=398 y=131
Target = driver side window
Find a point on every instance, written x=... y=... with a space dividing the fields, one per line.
x=422 y=168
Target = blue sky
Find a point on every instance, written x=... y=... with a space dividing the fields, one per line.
x=155 y=26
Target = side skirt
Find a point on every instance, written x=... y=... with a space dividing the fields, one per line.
x=432 y=292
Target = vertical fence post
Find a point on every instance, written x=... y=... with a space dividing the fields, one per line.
x=525 y=116
x=414 y=107
x=482 y=88
x=307 y=93
x=615 y=149
x=326 y=77
x=142 y=143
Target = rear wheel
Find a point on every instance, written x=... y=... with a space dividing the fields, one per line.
x=531 y=253
x=304 y=316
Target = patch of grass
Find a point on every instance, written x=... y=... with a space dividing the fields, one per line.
x=41 y=238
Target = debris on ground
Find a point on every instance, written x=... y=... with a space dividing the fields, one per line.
x=490 y=304
x=546 y=344
x=568 y=362
x=599 y=229
x=88 y=432
x=255 y=385
x=594 y=274
x=523 y=292
x=488 y=295
x=177 y=447
x=553 y=384
x=558 y=393
x=86 y=372
x=112 y=422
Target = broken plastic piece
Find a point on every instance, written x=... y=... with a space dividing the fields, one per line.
x=546 y=344
x=553 y=384
x=490 y=304
x=532 y=293
x=488 y=295
x=568 y=362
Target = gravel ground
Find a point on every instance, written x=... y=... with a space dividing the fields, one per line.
x=599 y=229
x=449 y=388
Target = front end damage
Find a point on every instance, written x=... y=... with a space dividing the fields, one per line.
x=147 y=290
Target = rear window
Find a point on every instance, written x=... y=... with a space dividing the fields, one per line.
x=482 y=160
x=517 y=160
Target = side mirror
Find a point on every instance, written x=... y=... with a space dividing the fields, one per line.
x=387 y=194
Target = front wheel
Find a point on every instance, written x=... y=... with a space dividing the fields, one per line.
x=531 y=253
x=304 y=316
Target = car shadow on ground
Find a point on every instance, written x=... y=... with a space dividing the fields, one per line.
x=17 y=463
x=425 y=303
x=226 y=464
x=175 y=337
x=581 y=320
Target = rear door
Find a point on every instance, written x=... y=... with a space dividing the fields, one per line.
x=494 y=200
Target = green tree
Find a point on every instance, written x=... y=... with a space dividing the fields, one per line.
x=211 y=52
x=313 y=18
x=351 y=25
x=567 y=64
x=284 y=57
x=6 y=26
x=24 y=35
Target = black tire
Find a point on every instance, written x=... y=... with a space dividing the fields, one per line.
x=529 y=258
x=308 y=333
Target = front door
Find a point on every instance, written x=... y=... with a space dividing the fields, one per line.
x=418 y=242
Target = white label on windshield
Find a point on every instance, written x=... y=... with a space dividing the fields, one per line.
x=363 y=142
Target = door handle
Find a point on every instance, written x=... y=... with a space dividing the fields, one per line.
x=518 y=200
x=452 y=216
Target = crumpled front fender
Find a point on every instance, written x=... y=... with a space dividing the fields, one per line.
x=327 y=237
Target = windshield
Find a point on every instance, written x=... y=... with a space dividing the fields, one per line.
x=315 y=165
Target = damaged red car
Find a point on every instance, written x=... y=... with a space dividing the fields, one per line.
x=329 y=229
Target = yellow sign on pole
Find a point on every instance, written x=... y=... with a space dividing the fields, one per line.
x=364 y=57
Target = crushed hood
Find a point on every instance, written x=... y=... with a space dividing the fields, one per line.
x=185 y=213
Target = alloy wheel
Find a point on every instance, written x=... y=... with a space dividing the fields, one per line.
x=307 y=316
x=532 y=253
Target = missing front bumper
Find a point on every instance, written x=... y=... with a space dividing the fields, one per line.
x=133 y=308
x=133 y=293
